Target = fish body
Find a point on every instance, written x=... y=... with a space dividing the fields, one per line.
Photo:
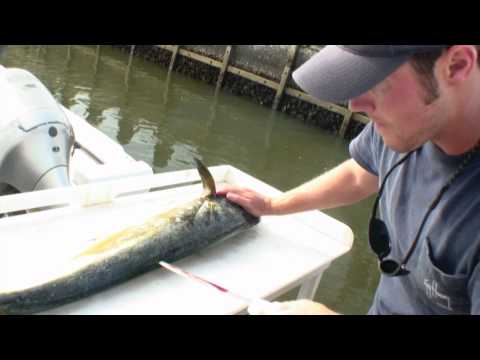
x=168 y=237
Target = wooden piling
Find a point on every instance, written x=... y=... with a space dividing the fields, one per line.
x=281 y=88
x=292 y=51
x=132 y=52
x=129 y=65
x=69 y=53
x=224 y=67
x=346 y=121
x=97 y=58
x=174 y=57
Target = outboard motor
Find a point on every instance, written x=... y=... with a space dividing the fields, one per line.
x=36 y=138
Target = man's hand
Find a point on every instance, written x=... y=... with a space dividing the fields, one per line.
x=298 y=307
x=253 y=202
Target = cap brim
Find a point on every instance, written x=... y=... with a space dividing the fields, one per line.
x=337 y=75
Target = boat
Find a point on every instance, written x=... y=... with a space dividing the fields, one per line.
x=45 y=145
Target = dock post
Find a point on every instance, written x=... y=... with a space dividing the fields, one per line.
x=69 y=57
x=97 y=59
x=169 y=73
x=129 y=65
x=130 y=59
x=292 y=51
x=347 y=117
x=69 y=52
x=174 y=57
x=40 y=49
x=221 y=75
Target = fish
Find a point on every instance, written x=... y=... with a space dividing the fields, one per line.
x=168 y=236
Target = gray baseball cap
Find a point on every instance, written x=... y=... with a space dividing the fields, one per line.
x=341 y=72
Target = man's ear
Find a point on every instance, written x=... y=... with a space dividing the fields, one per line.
x=458 y=63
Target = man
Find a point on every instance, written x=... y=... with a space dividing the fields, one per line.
x=419 y=153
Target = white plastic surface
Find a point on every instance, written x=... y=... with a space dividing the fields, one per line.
x=263 y=262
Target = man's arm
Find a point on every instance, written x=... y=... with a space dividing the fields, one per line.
x=346 y=184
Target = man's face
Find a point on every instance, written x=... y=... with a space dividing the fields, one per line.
x=399 y=111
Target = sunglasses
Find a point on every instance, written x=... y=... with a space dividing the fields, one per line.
x=380 y=239
x=378 y=235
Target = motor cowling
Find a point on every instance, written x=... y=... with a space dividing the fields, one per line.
x=36 y=138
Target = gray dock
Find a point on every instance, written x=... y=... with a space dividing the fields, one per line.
x=260 y=72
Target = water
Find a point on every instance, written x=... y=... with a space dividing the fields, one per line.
x=165 y=121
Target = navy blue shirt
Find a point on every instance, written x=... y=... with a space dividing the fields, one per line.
x=444 y=268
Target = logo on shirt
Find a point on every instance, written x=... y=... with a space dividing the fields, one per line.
x=431 y=290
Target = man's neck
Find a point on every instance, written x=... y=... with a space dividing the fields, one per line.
x=462 y=132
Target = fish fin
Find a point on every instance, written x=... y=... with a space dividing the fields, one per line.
x=207 y=179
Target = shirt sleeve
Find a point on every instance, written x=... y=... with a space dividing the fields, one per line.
x=365 y=149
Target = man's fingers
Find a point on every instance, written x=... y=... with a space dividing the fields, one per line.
x=224 y=189
x=240 y=200
x=244 y=203
x=262 y=307
x=248 y=199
